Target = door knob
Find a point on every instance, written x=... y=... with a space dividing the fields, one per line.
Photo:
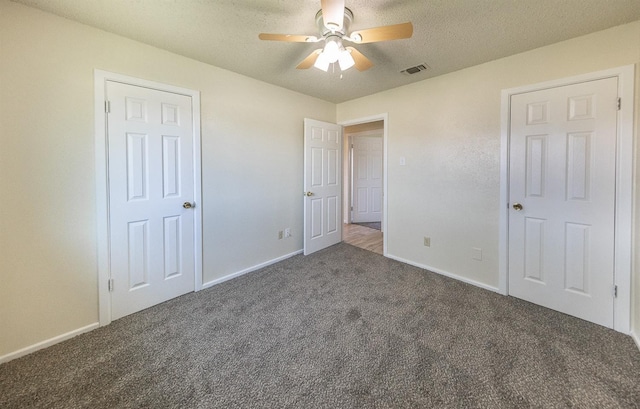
x=517 y=206
x=308 y=193
x=187 y=205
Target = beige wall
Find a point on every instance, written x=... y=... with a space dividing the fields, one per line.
x=251 y=156
x=448 y=128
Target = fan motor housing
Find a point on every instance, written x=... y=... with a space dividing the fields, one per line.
x=348 y=18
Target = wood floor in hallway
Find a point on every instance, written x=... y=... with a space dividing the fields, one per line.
x=363 y=237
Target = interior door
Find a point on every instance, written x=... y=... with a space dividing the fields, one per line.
x=367 y=179
x=562 y=198
x=322 y=185
x=151 y=190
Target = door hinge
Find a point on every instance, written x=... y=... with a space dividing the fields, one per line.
x=351 y=207
x=619 y=104
x=110 y=284
x=107 y=107
x=615 y=291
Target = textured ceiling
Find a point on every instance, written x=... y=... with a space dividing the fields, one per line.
x=448 y=34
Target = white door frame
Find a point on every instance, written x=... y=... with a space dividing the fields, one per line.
x=624 y=185
x=385 y=118
x=102 y=181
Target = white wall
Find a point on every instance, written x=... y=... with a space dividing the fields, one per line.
x=251 y=158
x=448 y=128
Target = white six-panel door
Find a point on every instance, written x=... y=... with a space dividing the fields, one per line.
x=367 y=179
x=151 y=189
x=562 y=198
x=322 y=185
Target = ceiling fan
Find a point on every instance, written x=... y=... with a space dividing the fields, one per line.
x=333 y=22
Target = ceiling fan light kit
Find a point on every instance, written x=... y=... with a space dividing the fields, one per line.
x=334 y=52
x=333 y=22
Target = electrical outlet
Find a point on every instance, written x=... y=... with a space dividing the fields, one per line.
x=280 y=235
x=427 y=241
x=477 y=253
x=287 y=232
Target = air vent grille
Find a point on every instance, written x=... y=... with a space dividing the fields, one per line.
x=416 y=69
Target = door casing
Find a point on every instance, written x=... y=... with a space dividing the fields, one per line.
x=102 y=182
x=624 y=185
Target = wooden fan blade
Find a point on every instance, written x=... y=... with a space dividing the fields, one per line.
x=385 y=33
x=333 y=14
x=310 y=60
x=291 y=38
x=362 y=63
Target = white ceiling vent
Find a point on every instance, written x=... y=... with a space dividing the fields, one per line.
x=416 y=69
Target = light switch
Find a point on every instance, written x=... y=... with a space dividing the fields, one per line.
x=402 y=161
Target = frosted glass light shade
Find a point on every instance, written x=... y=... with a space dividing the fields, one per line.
x=346 y=60
x=322 y=62
x=332 y=51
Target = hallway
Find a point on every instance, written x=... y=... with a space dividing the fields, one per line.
x=362 y=237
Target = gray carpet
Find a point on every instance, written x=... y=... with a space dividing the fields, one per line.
x=371 y=225
x=343 y=328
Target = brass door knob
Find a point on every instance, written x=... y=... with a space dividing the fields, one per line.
x=187 y=205
x=517 y=206
x=308 y=193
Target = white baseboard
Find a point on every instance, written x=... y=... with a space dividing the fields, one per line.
x=47 y=343
x=636 y=338
x=249 y=270
x=445 y=273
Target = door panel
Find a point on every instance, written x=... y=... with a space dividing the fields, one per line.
x=562 y=172
x=576 y=256
x=171 y=176
x=322 y=181
x=138 y=251
x=533 y=249
x=172 y=246
x=150 y=150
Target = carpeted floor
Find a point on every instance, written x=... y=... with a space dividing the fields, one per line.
x=342 y=328
x=371 y=225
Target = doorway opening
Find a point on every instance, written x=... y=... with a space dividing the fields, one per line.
x=364 y=183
